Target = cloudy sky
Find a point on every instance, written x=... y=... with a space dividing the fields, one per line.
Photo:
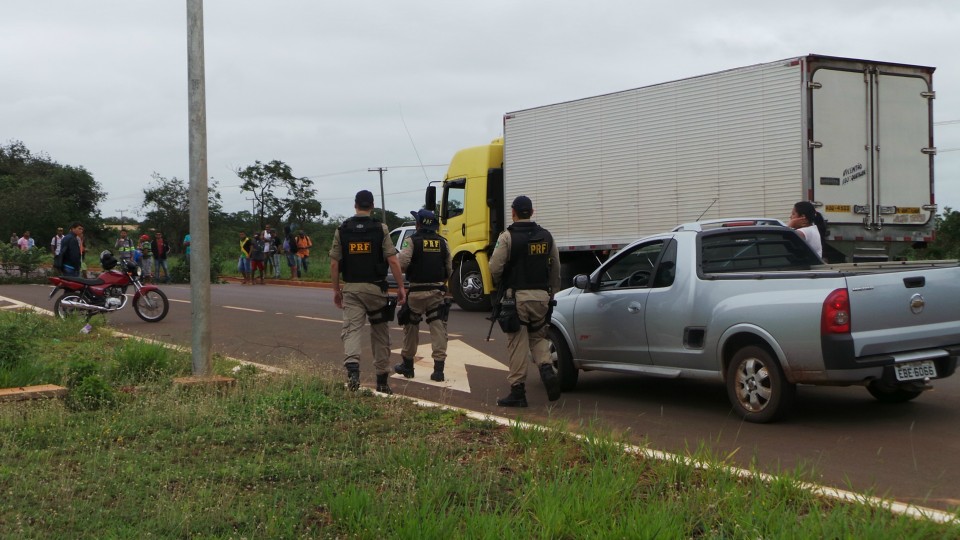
x=335 y=88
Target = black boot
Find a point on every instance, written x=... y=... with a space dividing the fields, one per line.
x=517 y=397
x=405 y=369
x=353 y=377
x=382 y=385
x=550 y=381
x=437 y=374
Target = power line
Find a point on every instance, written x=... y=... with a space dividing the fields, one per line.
x=946 y=122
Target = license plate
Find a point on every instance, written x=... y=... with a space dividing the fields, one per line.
x=916 y=370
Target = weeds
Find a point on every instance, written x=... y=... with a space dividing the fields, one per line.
x=292 y=457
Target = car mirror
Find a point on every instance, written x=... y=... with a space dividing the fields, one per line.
x=582 y=281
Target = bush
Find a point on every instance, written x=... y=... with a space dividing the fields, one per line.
x=139 y=362
x=87 y=389
x=180 y=271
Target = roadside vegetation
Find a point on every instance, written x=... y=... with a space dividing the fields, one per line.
x=127 y=454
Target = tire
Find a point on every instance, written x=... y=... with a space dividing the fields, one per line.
x=757 y=387
x=467 y=285
x=562 y=360
x=63 y=312
x=887 y=393
x=152 y=306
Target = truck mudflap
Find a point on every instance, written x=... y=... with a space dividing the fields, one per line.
x=903 y=366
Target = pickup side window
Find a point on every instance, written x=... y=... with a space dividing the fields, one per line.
x=753 y=250
x=632 y=268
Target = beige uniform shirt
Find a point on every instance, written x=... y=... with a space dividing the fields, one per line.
x=336 y=253
x=501 y=256
x=406 y=256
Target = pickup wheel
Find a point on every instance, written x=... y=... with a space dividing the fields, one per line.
x=467 y=285
x=562 y=360
x=757 y=387
x=888 y=393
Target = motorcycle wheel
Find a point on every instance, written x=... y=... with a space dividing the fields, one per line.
x=62 y=311
x=152 y=306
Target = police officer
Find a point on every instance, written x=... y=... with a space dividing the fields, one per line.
x=526 y=266
x=362 y=251
x=425 y=257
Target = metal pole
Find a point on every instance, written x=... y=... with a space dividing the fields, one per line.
x=383 y=203
x=199 y=210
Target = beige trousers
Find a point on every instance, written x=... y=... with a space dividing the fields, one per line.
x=355 y=308
x=524 y=345
x=420 y=303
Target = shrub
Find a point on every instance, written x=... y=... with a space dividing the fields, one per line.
x=139 y=362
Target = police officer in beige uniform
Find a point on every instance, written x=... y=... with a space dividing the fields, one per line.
x=526 y=262
x=425 y=257
x=362 y=252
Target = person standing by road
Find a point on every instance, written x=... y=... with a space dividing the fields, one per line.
x=25 y=243
x=146 y=261
x=71 y=254
x=526 y=267
x=257 y=257
x=55 y=244
x=362 y=252
x=809 y=224
x=124 y=246
x=425 y=257
x=243 y=263
x=304 y=243
x=160 y=249
x=186 y=246
x=290 y=249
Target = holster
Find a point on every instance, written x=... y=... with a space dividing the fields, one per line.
x=404 y=315
x=508 y=319
x=441 y=312
x=384 y=314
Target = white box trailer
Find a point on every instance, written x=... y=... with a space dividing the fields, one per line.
x=853 y=136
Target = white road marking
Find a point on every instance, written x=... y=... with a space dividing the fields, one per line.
x=181 y=301
x=244 y=309
x=459 y=356
x=319 y=319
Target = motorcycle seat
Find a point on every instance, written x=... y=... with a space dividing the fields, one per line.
x=84 y=281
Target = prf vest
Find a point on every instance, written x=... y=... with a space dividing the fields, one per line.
x=361 y=243
x=428 y=264
x=530 y=247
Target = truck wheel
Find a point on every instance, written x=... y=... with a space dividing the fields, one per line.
x=888 y=393
x=467 y=285
x=757 y=387
x=562 y=360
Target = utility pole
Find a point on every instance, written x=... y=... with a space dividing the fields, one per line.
x=199 y=193
x=383 y=203
x=121 y=217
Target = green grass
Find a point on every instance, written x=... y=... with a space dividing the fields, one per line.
x=300 y=456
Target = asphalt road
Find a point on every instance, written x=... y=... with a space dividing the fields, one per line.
x=840 y=437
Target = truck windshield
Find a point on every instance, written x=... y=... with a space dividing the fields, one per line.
x=753 y=250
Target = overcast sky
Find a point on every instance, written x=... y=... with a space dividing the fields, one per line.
x=335 y=88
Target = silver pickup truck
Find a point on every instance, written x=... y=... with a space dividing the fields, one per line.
x=754 y=307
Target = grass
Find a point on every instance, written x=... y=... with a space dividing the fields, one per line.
x=300 y=456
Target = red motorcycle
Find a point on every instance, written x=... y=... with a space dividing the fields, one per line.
x=108 y=292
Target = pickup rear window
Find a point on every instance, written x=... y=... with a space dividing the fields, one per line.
x=749 y=250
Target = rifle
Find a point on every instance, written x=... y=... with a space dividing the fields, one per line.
x=495 y=312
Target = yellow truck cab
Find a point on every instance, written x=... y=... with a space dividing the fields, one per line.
x=471 y=215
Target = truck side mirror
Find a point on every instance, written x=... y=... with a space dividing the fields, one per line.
x=430 y=200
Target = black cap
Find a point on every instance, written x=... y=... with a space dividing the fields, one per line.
x=364 y=199
x=522 y=204
x=426 y=219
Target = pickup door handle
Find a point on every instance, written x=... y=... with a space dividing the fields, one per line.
x=914 y=282
x=634 y=307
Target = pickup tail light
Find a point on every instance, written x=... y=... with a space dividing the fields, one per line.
x=835 y=317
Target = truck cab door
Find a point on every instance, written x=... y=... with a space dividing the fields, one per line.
x=610 y=320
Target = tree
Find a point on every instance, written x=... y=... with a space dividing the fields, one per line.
x=40 y=194
x=168 y=207
x=280 y=195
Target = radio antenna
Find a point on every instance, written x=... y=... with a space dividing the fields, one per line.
x=705 y=210
x=413 y=144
